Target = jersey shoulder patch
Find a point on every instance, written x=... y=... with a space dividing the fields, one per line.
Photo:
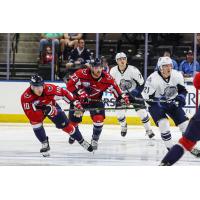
x=81 y=73
x=50 y=89
x=27 y=96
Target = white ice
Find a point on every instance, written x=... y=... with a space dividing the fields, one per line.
x=19 y=146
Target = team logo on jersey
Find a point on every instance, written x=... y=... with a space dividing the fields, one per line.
x=170 y=92
x=50 y=88
x=27 y=95
x=86 y=84
x=126 y=84
x=92 y=91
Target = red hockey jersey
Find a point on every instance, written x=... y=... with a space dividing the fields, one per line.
x=50 y=94
x=82 y=79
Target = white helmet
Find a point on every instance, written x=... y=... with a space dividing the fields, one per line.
x=164 y=61
x=120 y=55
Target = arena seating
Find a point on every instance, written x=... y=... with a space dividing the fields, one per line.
x=25 y=59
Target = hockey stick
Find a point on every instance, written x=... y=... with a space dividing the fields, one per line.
x=100 y=100
x=152 y=100
x=148 y=100
x=91 y=109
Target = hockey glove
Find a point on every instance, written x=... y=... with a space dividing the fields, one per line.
x=135 y=93
x=181 y=100
x=167 y=104
x=78 y=106
x=83 y=96
x=48 y=109
x=126 y=99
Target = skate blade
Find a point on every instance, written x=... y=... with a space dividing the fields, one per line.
x=151 y=142
x=46 y=154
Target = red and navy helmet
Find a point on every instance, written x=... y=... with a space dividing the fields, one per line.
x=36 y=80
x=95 y=63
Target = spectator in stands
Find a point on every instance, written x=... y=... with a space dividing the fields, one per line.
x=69 y=42
x=46 y=40
x=79 y=56
x=188 y=66
x=167 y=53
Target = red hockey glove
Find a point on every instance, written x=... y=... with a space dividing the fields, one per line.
x=48 y=109
x=79 y=111
x=126 y=99
x=82 y=96
x=78 y=105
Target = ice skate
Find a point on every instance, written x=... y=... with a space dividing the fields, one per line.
x=124 y=130
x=45 y=148
x=86 y=146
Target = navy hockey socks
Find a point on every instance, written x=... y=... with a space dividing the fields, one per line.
x=77 y=135
x=175 y=153
x=166 y=136
x=40 y=134
x=96 y=132
x=122 y=121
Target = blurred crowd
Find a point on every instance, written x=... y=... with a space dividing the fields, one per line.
x=70 y=49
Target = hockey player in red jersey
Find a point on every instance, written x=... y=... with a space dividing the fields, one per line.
x=189 y=138
x=88 y=86
x=39 y=102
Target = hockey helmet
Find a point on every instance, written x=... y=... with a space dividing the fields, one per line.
x=95 y=63
x=164 y=61
x=36 y=80
x=120 y=55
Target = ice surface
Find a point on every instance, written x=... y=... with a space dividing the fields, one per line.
x=19 y=146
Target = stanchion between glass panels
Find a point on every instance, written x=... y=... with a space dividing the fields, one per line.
x=97 y=45
x=146 y=56
x=8 y=57
x=52 y=62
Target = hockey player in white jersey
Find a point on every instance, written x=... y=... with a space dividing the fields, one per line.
x=131 y=82
x=166 y=87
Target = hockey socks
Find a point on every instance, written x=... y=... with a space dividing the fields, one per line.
x=97 y=126
x=71 y=139
x=97 y=129
x=74 y=133
x=164 y=127
x=40 y=134
x=175 y=153
x=142 y=113
x=122 y=121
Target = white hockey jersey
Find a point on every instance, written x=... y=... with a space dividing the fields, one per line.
x=128 y=79
x=157 y=86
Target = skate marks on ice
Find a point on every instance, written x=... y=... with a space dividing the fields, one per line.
x=18 y=146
